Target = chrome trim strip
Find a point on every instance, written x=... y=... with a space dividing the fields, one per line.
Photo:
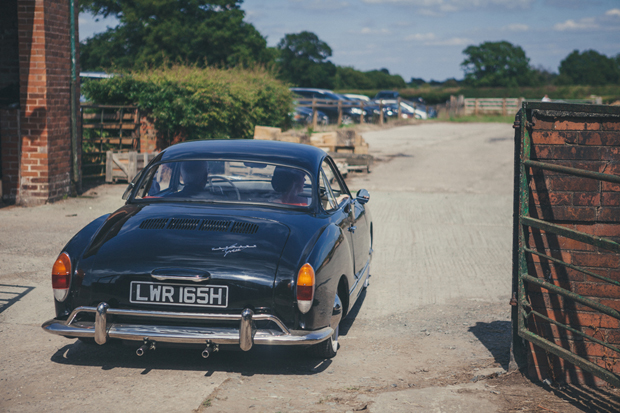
x=194 y=278
x=357 y=279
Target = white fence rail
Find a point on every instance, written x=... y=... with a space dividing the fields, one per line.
x=503 y=106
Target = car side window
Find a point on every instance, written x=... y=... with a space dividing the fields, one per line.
x=325 y=193
x=340 y=193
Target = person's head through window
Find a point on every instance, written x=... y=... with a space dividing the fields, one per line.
x=195 y=175
x=289 y=183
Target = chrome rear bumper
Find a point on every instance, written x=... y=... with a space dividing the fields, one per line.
x=245 y=336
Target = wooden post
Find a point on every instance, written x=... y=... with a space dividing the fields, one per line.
x=400 y=111
x=362 y=114
x=339 y=112
x=314 y=113
x=504 y=110
x=381 y=112
x=476 y=107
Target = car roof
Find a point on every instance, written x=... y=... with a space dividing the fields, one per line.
x=294 y=154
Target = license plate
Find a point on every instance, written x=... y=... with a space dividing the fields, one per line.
x=178 y=294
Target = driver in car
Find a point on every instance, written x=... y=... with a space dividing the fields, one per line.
x=289 y=183
x=195 y=175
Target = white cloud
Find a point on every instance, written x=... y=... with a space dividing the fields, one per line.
x=368 y=30
x=321 y=5
x=430 y=39
x=517 y=27
x=613 y=13
x=448 y=6
x=455 y=41
x=421 y=37
x=583 y=24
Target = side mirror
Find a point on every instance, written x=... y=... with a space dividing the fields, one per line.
x=362 y=196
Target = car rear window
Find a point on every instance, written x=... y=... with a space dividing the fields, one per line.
x=227 y=181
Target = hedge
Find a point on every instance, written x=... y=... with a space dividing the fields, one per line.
x=188 y=103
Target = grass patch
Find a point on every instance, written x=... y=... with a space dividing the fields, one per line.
x=480 y=119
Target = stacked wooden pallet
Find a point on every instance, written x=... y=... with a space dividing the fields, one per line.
x=347 y=147
x=343 y=141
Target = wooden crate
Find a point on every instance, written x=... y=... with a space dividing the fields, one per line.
x=124 y=166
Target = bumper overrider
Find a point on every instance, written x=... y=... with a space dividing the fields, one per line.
x=245 y=336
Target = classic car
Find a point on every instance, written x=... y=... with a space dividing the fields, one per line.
x=229 y=242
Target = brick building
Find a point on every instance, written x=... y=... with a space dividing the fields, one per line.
x=35 y=107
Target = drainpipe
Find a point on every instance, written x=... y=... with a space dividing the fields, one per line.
x=76 y=182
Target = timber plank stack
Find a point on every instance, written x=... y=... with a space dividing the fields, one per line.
x=345 y=146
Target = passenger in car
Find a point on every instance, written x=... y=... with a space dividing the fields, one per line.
x=289 y=183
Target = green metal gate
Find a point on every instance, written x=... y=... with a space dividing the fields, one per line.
x=523 y=310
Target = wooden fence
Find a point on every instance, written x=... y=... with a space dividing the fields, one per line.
x=317 y=104
x=105 y=128
x=458 y=106
x=501 y=106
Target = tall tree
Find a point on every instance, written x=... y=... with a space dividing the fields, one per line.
x=303 y=60
x=496 y=64
x=152 y=32
x=588 y=68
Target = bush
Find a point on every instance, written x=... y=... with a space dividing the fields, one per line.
x=190 y=103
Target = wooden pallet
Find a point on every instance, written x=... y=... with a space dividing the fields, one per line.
x=125 y=165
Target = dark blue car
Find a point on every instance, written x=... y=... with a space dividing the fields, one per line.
x=236 y=242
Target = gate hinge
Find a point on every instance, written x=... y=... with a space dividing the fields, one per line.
x=513 y=300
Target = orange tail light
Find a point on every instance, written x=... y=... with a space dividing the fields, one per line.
x=305 y=288
x=61 y=276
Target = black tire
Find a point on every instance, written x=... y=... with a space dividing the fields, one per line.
x=328 y=348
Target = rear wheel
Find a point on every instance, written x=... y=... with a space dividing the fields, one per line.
x=328 y=348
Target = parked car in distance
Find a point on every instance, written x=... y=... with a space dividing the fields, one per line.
x=230 y=242
x=349 y=114
x=302 y=116
x=354 y=96
x=387 y=95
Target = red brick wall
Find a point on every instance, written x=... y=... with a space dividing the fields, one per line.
x=44 y=50
x=586 y=205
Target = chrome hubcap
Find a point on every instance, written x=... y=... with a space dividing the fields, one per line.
x=335 y=339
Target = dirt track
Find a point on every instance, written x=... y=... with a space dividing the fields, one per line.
x=432 y=332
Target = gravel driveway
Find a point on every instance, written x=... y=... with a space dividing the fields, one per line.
x=432 y=332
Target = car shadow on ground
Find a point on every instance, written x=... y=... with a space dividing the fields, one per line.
x=274 y=360
x=347 y=323
x=495 y=336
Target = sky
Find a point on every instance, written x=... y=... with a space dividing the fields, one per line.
x=426 y=38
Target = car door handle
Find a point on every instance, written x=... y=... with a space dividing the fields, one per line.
x=352 y=228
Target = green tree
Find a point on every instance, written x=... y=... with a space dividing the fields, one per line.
x=152 y=32
x=350 y=78
x=588 y=68
x=496 y=64
x=303 y=61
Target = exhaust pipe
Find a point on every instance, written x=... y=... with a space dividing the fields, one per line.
x=211 y=348
x=148 y=345
x=141 y=350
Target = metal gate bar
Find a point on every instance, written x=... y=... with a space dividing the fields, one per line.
x=524 y=308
